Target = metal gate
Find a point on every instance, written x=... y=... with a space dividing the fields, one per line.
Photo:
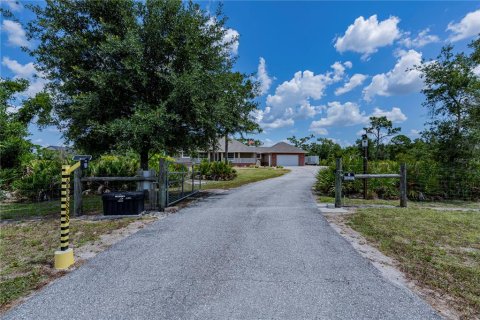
x=179 y=182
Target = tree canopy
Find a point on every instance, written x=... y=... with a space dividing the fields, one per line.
x=452 y=95
x=380 y=128
x=150 y=76
x=14 y=122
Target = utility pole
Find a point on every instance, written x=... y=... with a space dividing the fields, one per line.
x=365 y=164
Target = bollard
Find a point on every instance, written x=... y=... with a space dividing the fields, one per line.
x=64 y=256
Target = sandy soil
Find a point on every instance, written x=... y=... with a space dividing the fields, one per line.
x=90 y=250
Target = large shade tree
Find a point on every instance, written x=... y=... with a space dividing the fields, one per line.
x=143 y=75
x=452 y=96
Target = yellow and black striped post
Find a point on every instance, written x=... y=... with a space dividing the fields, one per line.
x=65 y=209
x=64 y=256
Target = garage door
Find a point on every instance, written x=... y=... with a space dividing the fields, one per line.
x=287 y=160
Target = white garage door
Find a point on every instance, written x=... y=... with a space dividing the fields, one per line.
x=287 y=160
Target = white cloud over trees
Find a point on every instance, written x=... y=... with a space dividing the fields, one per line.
x=349 y=114
x=402 y=79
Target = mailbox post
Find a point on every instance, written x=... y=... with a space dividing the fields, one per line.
x=64 y=256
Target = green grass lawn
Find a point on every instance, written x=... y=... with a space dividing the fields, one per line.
x=17 y=211
x=439 y=249
x=27 y=252
x=245 y=175
x=412 y=204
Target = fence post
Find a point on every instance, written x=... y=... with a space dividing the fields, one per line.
x=162 y=181
x=183 y=183
x=77 y=193
x=338 y=183
x=403 y=185
x=151 y=191
x=193 y=177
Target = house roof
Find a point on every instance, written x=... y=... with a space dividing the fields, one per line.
x=237 y=146
x=283 y=147
x=234 y=146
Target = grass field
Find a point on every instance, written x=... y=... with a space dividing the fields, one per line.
x=27 y=251
x=245 y=175
x=412 y=204
x=438 y=249
x=17 y=211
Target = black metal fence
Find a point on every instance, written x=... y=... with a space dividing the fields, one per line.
x=181 y=182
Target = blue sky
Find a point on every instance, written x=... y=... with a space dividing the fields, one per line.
x=324 y=67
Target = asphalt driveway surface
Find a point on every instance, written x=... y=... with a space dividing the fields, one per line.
x=262 y=251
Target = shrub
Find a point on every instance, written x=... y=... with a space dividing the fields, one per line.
x=41 y=179
x=217 y=170
x=154 y=161
x=383 y=188
x=113 y=166
x=426 y=180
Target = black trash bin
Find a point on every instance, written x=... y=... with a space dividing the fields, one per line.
x=123 y=203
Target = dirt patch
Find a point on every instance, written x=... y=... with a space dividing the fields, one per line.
x=90 y=250
x=389 y=267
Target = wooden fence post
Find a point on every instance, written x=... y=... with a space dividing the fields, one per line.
x=338 y=183
x=403 y=185
x=77 y=192
x=162 y=188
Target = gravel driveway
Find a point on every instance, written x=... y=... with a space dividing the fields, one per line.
x=261 y=251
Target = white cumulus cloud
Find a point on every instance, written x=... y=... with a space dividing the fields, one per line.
x=278 y=123
x=262 y=77
x=342 y=115
x=26 y=71
x=16 y=35
x=232 y=35
x=394 y=115
x=367 y=35
x=297 y=93
x=20 y=70
x=402 y=79
x=293 y=99
x=469 y=26
x=349 y=114
x=354 y=81
x=422 y=39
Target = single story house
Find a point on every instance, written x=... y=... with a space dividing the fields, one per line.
x=239 y=154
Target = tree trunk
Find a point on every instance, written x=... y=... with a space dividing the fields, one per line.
x=226 y=148
x=144 y=160
x=378 y=145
